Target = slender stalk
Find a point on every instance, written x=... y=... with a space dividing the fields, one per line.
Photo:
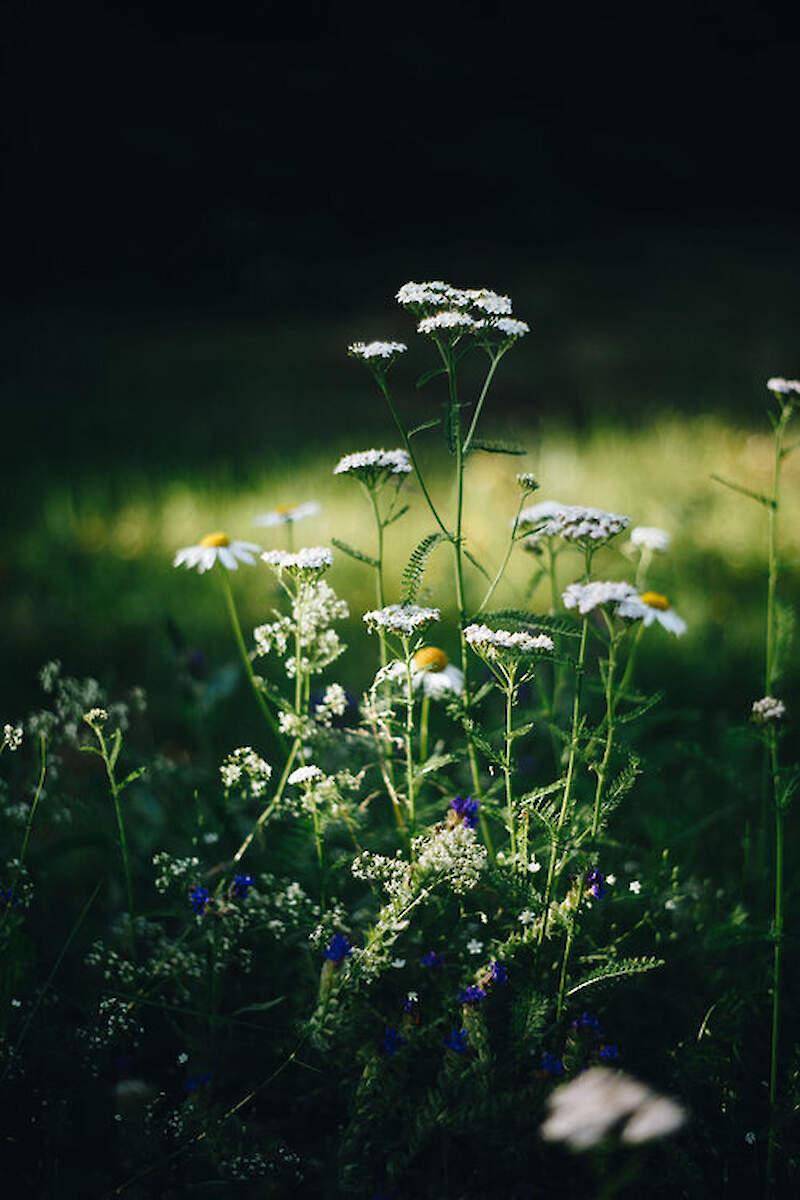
x=423 y=726
x=248 y=666
x=610 y=707
x=410 y=451
x=28 y=825
x=408 y=737
x=551 y=571
x=270 y=808
x=479 y=405
x=507 y=765
x=777 y=962
x=565 y=799
x=379 y=592
x=772 y=578
x=502 y=568
x=562 y=979
x=318 y=840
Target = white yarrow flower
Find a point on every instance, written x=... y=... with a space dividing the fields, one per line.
x=490 y=642
x=12 y=736
x=376 y=350
x=372 y=465
x=768 y=709
x=649 y=537
x=216 y=547
x=401 y=619
x=588 y=596
x=451 y=319
x=578 y=523
x=309 y=559
x=600 y=1102
x=784 y=387
x=288 y=514
x=309 y=774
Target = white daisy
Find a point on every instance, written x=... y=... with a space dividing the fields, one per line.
x=435 y=674
x=288 y=514
x=649 y=537
x=216 y=547
x=649 y=607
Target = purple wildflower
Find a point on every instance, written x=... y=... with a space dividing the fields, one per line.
x=432 y=959
x=608 y=1053
x=457 y=1041
x=466 y=809
x=596 y=883
x=498 y=973
x=587 y=1023
x=392 y=1040
x=339 y=948
x=242 y=885
x=471 y=995
x=200 y=898
x=551 y=1064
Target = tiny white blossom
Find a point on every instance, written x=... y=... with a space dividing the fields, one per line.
x=216 y=547
x=288 y=514
x=784 y=386
x=528 y=482
x=510 y=326
x=12 y=736
x=588 y=596
x=490 y=302
x=534 y=866
x=768 y=709
x=398 y=963
x=451 y=319
x=474 y=946
x=526 y=917
x=401 y=619
x=611 y=880
x=380 y=350
x=635 y=887
x=95 y=716
x=649 y=537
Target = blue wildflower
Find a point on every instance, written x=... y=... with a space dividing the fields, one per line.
x=200 y=898
x=596 y=883
x=466 y=810
x=193 y=1082
x=608 y=1053
x=339 y=948
x=242 y=885
x=498 y=973
x=392 y=1040
x=457 y=1041
x=587 y=1023
x=551 y=1064
x=432 y=959
x=471 y=995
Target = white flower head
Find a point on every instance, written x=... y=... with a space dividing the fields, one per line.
x=649 y=537
x=495 y=643
x=376 y=352
x=528 y=482
x=768 y=709
x=588 y=596
x=784 y=387
x=490 y=302
x=451 y=319
x=95 y=716
x=588 y=526
x=509 y=327
x=526 y=917
x=216 y=547
x=635 y=887
x=649 y=607
x=12 y=736
x=474 y=946
x=435 y=674
x=401 y=619
x=600 y=1102
x=374 y=467
x=308 y=562
x=421 y=295
x=288 y=514
x=246 y=768
x=309 y=774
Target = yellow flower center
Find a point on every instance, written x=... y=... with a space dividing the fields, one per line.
x=283 y=510
x=429 y=658
x=655 y=600
x=215 y=539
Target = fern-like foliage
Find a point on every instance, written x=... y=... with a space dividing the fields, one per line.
x=548 y=624
x=352 y=552
x=414 y=570
x=624 y=968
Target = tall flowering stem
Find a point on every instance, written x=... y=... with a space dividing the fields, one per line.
x=611 y=703
x=266 y=712
x=408 y=736
x=510 y=693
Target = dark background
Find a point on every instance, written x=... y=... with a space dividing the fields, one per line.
x=202 y=204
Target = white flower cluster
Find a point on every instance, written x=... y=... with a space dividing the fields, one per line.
x=492 y=312
x=372 y=465
x=490 y=642
x=535 y=514
x=528 y=482
x=371 y=350
x=510 y=326
x=393 y=874
x=401 y=619
x=287 y=514
x=171 y=871
x=310 y=558
x=246 y=768
x=649 y=537
x=333 y=704
x=784 y=386
x=601 y=1102
x=95 y=716
x=768 y=709
x=453 y=853
x=309 y=774
x=314 y=608
x=588 y=596
x=579 y=524
x=12 y=736
x=449 y=319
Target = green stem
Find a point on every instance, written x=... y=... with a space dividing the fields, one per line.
x=274 y=802
x=379 y=592
x=777 y=962
x=411 y=454
x=551 y=571
x=501 y=569
x=115 y=794
x=610 y=706
x=318 y=839
x=507 y=766
x=248 y=666
x=481 y=398
x=28 y=824
x=573 y=750
x=772 y=580
x=423 y=726
x=408 y=738
x=562 y=980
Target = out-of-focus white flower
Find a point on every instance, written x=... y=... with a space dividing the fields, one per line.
x=601 y=1102
x=635 y=887
x=372 y=466
x=216 y=547
x=534 y=514
x=526 y=917
x=401 y=619
x=12 y=736
x=783 y=386
x=311 y=559
x=398 y=963
x=649 y=537
x=435 y=674
x=650 y=607
x=309 y=774
x=376 y=350
x=491 y=642
x=577 y=523
x=768 y=709
x=288 y=514
x=474 y=946
x=528 y=482
x=588 y=596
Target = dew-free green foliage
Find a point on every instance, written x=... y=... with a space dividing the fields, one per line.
x=334 y=909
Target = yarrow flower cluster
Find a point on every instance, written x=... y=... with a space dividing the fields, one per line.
x=369 y=351
x=768 y=709
x=492 y=643
x=601 y=1102
x=247 y=768
x=301 y=775
x=650 y=537
x=528 y=482
x=785 y=387
x=287 y=514
x=576 y=523
x=12 y=736
x=374 y=467
x=588 y=596
x=311 y=560
x=401 y=619
x=454 y=854
x=213 y=548
x=442 y=307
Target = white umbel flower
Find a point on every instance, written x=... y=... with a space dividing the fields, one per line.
x=649 y=537
x=288 y=514
x=768 y=709
x=785 y=387
x=216 y=547
x=450 y=319
x=491 y=643
x=650 y=607
x=600 y=1102
x=309 y=560
x=371 y=465
x=376 y=350
x=435 y=674
x=588 y=596
x=12 y=737
x=490 y=302
x=309 y=774
x=577 y=523
x=401 y=619
x=510 y=327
